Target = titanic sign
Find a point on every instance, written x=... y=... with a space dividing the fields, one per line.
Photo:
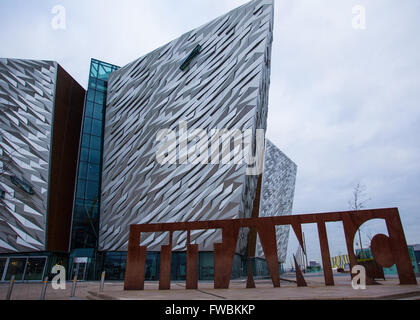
x=388 y=250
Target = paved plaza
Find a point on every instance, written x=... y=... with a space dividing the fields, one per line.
x=316 y=290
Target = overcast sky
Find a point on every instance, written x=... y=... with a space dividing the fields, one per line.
x=344 y=103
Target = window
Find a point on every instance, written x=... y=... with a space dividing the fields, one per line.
x=83 y=170
x=190 y=58
x=91 y=95
x=92 y=190
x=2 y=266
x=87 y=126
x=25 y=186
x=92 y=83
x=89 y=109
x=2 y=194
x=97 y=128
x=101 y=85
x=98 y=112
x=179 y=266
x=115 y=264
x=84 y=155
x=95 y=157
x=206 y=266
x=100 y=98
x=152 y=266
x=85 y=141
x=104 y=72
x=94 y=172
x=80 y=210
x=94 y=69
x=16 y=268
x=81 y=189
x=35 y=269
x=96 y=143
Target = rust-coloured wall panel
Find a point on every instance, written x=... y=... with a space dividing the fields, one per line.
x=68 y=114
x=192 y=267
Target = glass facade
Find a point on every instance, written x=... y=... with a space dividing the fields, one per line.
x=259 y=268
x=24 y=268
x=15 y=268
x=115 y=264
x=413 y=259
x=179 y=266
x=152 y=266
x=88 y=187
x=393 y=270
x=206 y=266
x=3 y=262
x=35 y=268
x=86 y=264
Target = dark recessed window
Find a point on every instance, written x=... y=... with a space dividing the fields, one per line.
x=25 y=186
x=190 y=58
x=2 y=194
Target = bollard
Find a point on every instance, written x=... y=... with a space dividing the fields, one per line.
x=11 y=285
x=73 y=289
x=101 y=287
x=44 y=288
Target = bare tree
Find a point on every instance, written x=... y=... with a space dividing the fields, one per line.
x=357 y=203
x=370 y=236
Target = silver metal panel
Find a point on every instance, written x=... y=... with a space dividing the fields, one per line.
x=278 y=191
x=226 y=86
x=27 y=90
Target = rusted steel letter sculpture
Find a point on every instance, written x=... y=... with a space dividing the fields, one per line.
x=387 y=250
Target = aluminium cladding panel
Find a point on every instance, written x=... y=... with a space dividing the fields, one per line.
x=26 y=112
x=278 y=190
x=41 y=108
x=226 y=86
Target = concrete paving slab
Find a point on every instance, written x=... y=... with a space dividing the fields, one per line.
x=316 y=290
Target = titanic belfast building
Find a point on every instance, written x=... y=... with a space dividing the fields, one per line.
x=41 y=109
x=177 y=135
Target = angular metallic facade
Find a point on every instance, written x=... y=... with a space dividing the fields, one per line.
x=225 y=87
x=30 y=101
x=277 y=195
x=26 y=110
